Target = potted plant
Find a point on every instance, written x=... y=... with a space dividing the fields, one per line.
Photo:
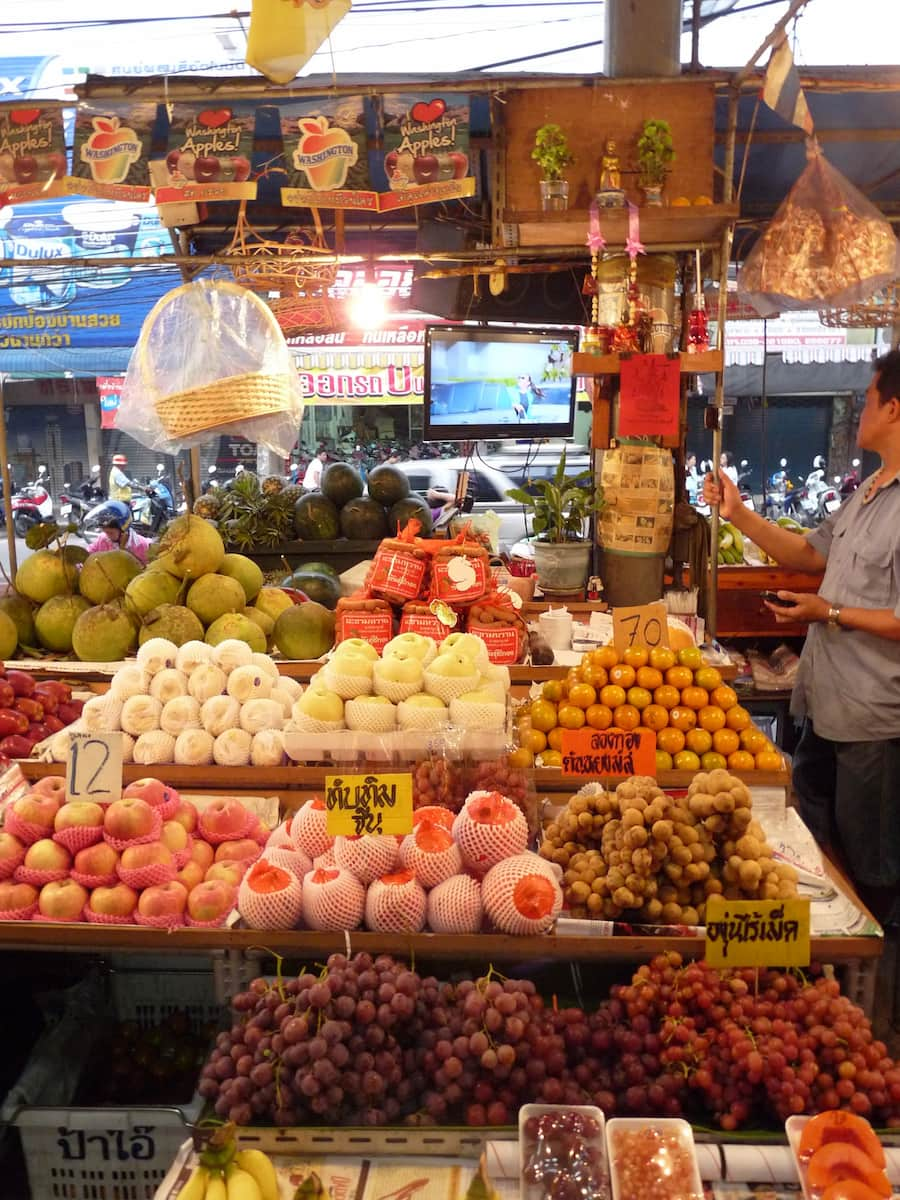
x=561 y=507
x=656 y=152
x=551 y=152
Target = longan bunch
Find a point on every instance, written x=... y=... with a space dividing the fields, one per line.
x=573 y=841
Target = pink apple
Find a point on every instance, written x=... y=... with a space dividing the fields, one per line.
x=153 y=791
x=227 y=872
x=186 y=815
x=14 y=896
x=130 y=818
x=63 y=900
x=244 y=848
x=211 y=901
x=224 y=818
x=36 y=809
x=78 y=813
x=260 y=831
x=163 y=900
x=241 y=168
x=53 y=786
x=10 y=847
x=202 y=853
x=148 y=854
x=174 y=835
x=97 y=860
x=47 y=855
x=190 y=874
x=118 y=901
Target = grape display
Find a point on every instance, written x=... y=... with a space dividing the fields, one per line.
x=370 y=1041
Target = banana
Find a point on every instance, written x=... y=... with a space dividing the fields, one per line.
x=738 y=539
x=195 y=1188
x=257 y=1164
x=215 y=1189
x=725 y=538
x=241 y=1186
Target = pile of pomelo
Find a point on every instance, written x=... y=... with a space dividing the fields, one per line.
x=698 y=722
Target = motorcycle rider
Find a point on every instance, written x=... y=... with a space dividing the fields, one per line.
x=119 y=484
x=117 y=534
x=90 y=488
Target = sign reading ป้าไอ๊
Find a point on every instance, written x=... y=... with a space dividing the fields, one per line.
x=757 y=933
x=593 y=752
x=374 y=803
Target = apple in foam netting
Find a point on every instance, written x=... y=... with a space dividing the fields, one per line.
x=225 y=819
x=211 y=901
x=270 y=897
x=16 y=896
x=431 y=854
x=53 y=786
x=238 y=851
x=332 y=899
x=228 y=872
x=521 y=895
x=367 y=857
x=454 y=906
x=489 y=828
x=190 y=874
x=308 y=829
x=396 y=904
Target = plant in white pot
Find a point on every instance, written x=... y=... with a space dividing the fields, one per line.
x=561 y=508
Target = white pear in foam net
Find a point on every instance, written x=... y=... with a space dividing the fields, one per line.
x=157 y=654
x=232 y=748
x=231 y=654
x=267 y=748
x=249 y=683
x=102 y=714
x=166 y=685
x=180 y=714
x=192 y=655
x=130 y=680
x=194 y=747
x=220 y=713
x=257 y=715
x=140 y=714
x=154 y=746
x=206 y=681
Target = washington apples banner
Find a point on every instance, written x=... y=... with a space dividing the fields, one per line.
x=112 y=142
x=32 y=152
x=426 y=143
x=210 y=148
x=326 y=153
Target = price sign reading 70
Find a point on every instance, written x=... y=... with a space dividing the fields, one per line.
x=642 y=625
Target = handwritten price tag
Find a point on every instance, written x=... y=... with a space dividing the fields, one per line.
x=642 y=625
x=595 y=752
x=757 y=933
x=359 y=804
x=94 y=769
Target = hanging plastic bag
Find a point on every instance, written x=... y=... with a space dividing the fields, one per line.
x=285 y=34
x=826 y=246
x=211 y=358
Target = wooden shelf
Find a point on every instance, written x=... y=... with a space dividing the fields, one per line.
x=741 y=612
x=611 y=364
x=667 y=226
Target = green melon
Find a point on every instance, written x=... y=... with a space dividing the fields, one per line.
x=319 y=568
x=341 y=483
x=305 y=631
x=324 y=589
x=364 y=519
x=413 y=505
x=316 y=519
x=387 y=485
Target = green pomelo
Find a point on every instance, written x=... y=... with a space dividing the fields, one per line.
x=305 y=631
x=107 y=574
x=316 y=519
x=236 y=625
x=364 y=520
x=319 y=568
x=104 y=634
x=413 y=507
x=212 y=596
x=172 y=621
x=387 y=485
x=150 y=589
x=9 y=636
x=245 y=571
x=190 y=547
x=272 y=601
x=55 y=620
x=322 y=588
x=76 y=555
x=43 y=575
x=258 y=617
x=341 y=483
x=21 y=614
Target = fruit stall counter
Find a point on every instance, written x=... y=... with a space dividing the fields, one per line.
x=741 y=612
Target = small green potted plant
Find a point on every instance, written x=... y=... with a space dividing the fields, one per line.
x=656 y=153
x=552 y=154
x=561 y=508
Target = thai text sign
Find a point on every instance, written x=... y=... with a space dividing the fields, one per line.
x=359 y=804
x=596 y=752
x=757 y=933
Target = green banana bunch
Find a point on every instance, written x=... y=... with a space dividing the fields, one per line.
x=730 y=550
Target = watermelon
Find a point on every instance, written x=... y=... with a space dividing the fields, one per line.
x=341 y=483
x=323 y=589
x=404 y=510
x=387 y=485
x=316 y=518
x=364 y=519
x=318 y=568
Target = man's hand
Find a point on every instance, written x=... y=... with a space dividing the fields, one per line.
x=724 y=493
x=805 y=608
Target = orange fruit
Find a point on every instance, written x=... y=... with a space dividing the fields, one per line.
x=738 y=718
x=554 y=739
x=752 y=739
x=636 y=656
x=627 y=717
x=573 y=676
x=699 y=740
x=680 y=677
x=686 y=760
x=622 y=674
x=725 y=697
x=522 y=758
x=671 y=740
x=655 y=716
x=552 y=690
x=741 y=760
x=551 y=758
x=694 y=697
x=667 y=696
x=711 y=718
x=662 y=658
x=599 y=716
x=605 y=657
x=533 y=740
x=570 y=717
x=713 y=761
x=582 y=695
x=649 y=678
x=708 y=677
x=726 y=741
x=612 y=695
x=768 y=760
x=543 y=715
x=663 y=761
x=595 y=676
x=690 y=656
x=682 y=718
x=639 y=697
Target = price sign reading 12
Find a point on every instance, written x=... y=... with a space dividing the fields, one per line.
x=94 y=769
x=643 y=625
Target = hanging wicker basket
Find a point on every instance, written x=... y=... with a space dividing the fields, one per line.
x=291 y=268
x=880 y=311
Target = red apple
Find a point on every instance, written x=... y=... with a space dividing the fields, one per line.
x=211 y=900
x=459 y=163
x=241 y=168
x=37 y=809
x=63 y=900
x=22 y=684
x=11 y=847
x=33 y=709
x=14 y=896
x=206 y=168
x=69 y=711
x=38 y=731
x=163 y=900
x=190 y=874
x=47 y=855
x=148 y=854
x=53 y=786
x=224 y=818
x=127 y=819
x=186 y=815
x=17 y=745
x=25 y=168
x=97 y=860
x=202 y=853
x=172 y=161
x=48 y=698
x=390 y=163
x=61 y=690
x=79 y=812
x=174 y=836
x=228 y=872
x=54 y=724
x=118 y=901
x=7 y=695
x=232 y=851
x=152 y=791
x=426 y=169
x=12 y=722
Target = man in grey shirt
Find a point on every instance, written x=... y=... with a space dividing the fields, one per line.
x=847 y=764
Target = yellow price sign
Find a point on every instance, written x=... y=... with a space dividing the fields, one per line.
x=757 y=933
x=641 y=625
x=376 y=803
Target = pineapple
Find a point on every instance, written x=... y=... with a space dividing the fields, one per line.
x=272 y=485
x=207 y=507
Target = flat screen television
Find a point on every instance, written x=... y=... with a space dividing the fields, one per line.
x=491 y=382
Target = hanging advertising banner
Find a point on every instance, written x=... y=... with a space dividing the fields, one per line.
x=326 y=149
x=364 y=383
x=32 y=152
x=210 y=151
x=426 y=145
x=111 y=149
x=109 y=389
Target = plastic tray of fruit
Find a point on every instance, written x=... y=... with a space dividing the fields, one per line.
x=652 y=1155
x=839 y=1157
x=346 y=745
x=562 y=1152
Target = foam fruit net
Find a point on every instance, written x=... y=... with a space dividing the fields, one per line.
x=19 y=914
x=367 y=857
x=484 y=844
x=430 y=867
x=455 y=906
x=144 y=877
x=216 y=839
x=294 y=861
x=270 y=910
x=395 y=907
x=96 y=918
x=308 y=830
x=521 y=896
x=78 y=837
x=39 y=878
x=8 y=866
x=170 y=921
x=338 y=903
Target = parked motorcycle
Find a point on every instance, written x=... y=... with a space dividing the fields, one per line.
x=779 y=487
x=851 y=480
x=32 y=503
x=151 y=508
x=829 y=499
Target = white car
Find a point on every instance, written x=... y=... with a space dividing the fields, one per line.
x=488 y=485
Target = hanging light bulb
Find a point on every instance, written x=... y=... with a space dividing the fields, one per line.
x=368 y=304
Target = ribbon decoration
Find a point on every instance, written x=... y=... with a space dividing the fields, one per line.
x=633 y=243
x=595 y=239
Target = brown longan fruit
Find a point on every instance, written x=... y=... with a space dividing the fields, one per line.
x=671 y=914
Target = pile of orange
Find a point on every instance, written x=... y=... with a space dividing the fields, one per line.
x=698 y=722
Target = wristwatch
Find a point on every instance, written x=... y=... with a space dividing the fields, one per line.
x=834 y=617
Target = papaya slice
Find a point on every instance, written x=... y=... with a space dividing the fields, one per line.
x=850 y=1189
x=840 y=1126
x=836 y=1161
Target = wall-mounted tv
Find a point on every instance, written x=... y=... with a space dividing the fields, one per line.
x=492 y=382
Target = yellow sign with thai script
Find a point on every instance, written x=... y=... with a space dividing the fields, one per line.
x=757 y=933
x=360 y=804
